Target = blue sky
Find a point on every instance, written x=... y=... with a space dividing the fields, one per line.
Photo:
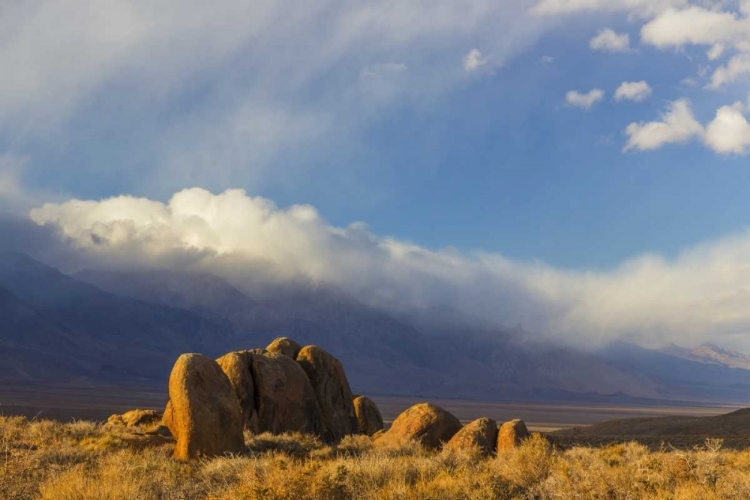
x=451 y=126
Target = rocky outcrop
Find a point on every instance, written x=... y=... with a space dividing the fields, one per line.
x=427 y=424
x=134 y=418
x=284 y=398
x=285 y=346
x=204 y=413
x=332 y=391
x=481 y=434
x=236 y=366
x=369 y=420
x=511 y=434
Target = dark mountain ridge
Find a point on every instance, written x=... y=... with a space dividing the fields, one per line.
x=127 y=328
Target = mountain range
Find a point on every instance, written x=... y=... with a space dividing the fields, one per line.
x=126 y=328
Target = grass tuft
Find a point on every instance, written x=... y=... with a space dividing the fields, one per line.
x=86 y=461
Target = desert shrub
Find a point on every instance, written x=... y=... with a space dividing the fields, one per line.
x=86 y=461
x=528 y=465
x=292 y=444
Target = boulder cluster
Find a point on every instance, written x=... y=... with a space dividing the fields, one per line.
x=289 y=388
x=282 y=388
x=435 y=428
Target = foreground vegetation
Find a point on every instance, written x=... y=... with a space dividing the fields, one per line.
x=86 y=460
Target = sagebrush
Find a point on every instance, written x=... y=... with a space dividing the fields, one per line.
x=85 y=460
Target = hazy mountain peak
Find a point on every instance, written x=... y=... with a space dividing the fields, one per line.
x=710 y=354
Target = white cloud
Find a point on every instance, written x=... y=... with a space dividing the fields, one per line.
x=701 y=294
x=729 y=132
x=474 y=60
x=154 y=49
x=547 y=59
x=610 y=41
x=633 y=91
x=738 y=66
x=678 y=125
x=585 y=101
x=695 y=26
x=688 y=82
x=641 y=8
x=715 y=52
x=190 y=73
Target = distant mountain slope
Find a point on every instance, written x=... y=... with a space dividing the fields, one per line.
x=31 y=344
x=127 y=328
x=110 y=338
x=710 y=354
x=382 y=354
x=678 y=377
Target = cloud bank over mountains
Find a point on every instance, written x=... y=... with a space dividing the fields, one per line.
x=701 y=294
x=305 y=78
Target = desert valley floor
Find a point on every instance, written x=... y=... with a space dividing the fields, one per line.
x=67 y=403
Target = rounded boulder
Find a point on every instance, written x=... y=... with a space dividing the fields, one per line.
x=480 y=434
x=285 y=346
x=203 y=413
x=236 y=366
x=425 y=423
x=369 y=419
x=326 y=374
x=511 y=434
x=284 y=398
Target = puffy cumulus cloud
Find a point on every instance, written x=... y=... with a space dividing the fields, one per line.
x=729 y=132
x=633 y=91
x=700 y=294
x=677 y=125
x=696 y=26
x=609 y=41
x=584 y=100
x=474 y=60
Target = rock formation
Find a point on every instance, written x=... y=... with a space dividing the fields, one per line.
x=236 y=366
x=285 y=346
x=369 y=420
x=331 y=390
x=263 y=390
x=425 y=423
x=480 y=434
x=511 y=434
x=284 y=398
x=204 y=413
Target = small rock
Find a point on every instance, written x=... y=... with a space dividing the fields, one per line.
x=369 y=420
x=480 y=434
x=511 y=434
x=134 y=418
x=285 y=346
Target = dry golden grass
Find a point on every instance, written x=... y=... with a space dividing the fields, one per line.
x=86 y=461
